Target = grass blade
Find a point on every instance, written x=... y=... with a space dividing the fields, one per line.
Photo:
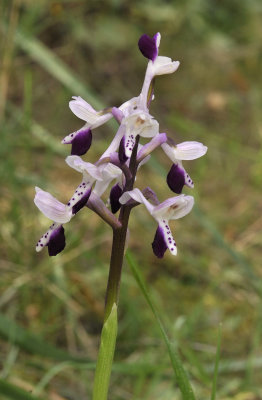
x=214 y=384
x=14 y=392
x=55 y=66
x=178 y=368
x=24 y=339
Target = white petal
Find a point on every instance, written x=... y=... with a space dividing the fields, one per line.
x=109 y=172
x=164 y=65
x=51 y=207
x=158 y=35
x=83 y=110
x=169 y=150
x=87 y=113
x=69 y=138
x=43 y=241
x=140 y=123
x=188 y=180
x=129 y=106
x=151 y=129
x=100 y=187
x=168 y=237
x=174 y=208
x=79 y=165
x=189 y=150
x=80 y=192
x=129 y=143
x=136 y=195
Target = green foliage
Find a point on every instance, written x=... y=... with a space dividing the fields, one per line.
x=105 y=356
x=179 y=372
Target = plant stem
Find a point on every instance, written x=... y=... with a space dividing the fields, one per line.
x=109 y=330
x=116 y=262
x=119 y=240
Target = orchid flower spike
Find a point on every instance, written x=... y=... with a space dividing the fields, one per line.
x=172 y=208
x=115 y=164
x=81 y=140
x=177 y=176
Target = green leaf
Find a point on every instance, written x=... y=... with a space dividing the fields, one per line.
x=105 y=356
x=56 y=67
x=14 y=392
x=19 y=336
x=214 y=385
x=180 y=373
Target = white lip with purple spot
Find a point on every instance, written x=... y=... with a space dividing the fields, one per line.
x=43 y=241
x=172 y=208
x=138 y=123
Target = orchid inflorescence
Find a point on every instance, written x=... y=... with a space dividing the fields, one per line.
x=120 y=162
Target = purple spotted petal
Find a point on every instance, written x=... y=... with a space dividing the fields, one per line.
x=121 y=153
x=81 y=142
x=115 y=194
x=176 y=178
x=82 y=202
x=57 y=241
x=159 y=245
x=148 y=46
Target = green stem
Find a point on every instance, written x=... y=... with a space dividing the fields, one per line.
x=109 y=330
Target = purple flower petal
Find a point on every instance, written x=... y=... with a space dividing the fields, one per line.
x=148 y=46
x=81 y=142
x=57 y=241
x=176 y=178
x=115 y=194
x=159 y=244
x=121 y=152
x=82 y=202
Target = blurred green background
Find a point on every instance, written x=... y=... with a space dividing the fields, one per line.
x=52 y=308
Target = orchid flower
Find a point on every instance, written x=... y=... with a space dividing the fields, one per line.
x=172 y=208
x=109 y=172
x=137 y=123
x=81 y=140
x=60 y=213
x=177 y=176
x=157 y=65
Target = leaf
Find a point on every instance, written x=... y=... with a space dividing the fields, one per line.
x=180 y=373
x=214 y=384
x=19 y=336
x=105 y=356
x=55 y=66
x=14 y=392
